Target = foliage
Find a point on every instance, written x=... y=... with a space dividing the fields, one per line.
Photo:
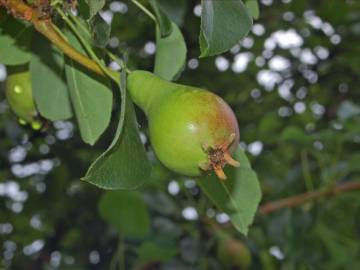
x=292 y=83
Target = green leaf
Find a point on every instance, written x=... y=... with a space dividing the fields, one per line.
x=174 y=9
x=223 y=24
x=51 y=97
x=83 y=29
x=170 y=54
x=353 y=163
x=295 y=135
x=253 y=7
x=150 y=251
x=84 y=9
x=94 y=32
x=126 y=211
x=124 y=165
x=238 y=196
x=100 y=31
x=90 y=96
x=95 y=6
x=163 y=21
x=15 y=38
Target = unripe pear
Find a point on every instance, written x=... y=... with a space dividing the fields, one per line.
x=18 y=92
x=233 y=254
x=192 y=131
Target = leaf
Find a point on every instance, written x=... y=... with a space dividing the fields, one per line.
x=150 y=251
x=163 y=21
x=170 y=54
x=95 y=32
x=95 y=6
x=90 y=96
x=15 y=38
x=100 y=31
x=124 y=165
x=84 y=9
x=238 y=196
x=253 y=7
x=174 y=9
x=83 y=29
x=353 y=163
x=51 y=96
x=295 y=135
x=223 y=24
x=126 y=211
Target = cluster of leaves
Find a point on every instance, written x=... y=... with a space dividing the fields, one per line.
x=124 y=165
x=316 y=148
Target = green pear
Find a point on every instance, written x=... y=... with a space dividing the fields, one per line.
x=192 y=131
x=18 y=92
x=232 y=253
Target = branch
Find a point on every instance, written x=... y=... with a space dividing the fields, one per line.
x=44 y=26
x=296 y=200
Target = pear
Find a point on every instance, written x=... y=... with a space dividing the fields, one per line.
x=18 y=92
x=233 y=253
x=192 y=131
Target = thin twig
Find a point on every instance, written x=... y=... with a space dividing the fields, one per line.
x=296 y=200
x=88 y=48
x=119 y=61
x=144 y=9
x=110 y=54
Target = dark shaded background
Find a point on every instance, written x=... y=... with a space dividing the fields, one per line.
x=294 y=85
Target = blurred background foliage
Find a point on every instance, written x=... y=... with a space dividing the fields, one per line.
x=294 y=86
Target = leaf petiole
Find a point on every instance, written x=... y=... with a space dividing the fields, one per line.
x=144 y=9
x=86 y=46
x=110 y=54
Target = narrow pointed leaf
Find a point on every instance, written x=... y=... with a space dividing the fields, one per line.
x=223 y=24
x=170 y=54
x=124 y=165
x=174 y=9
x=100 y=31
x=163 y=21
x=253 y=7
x=95 y=6
x=51 y=96
x=91 y=98
x=238 y=196
x=15 y=38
